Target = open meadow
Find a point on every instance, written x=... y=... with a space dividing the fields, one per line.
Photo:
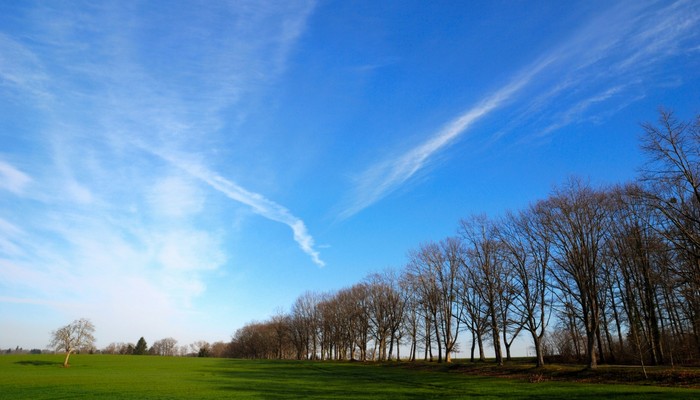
x=149 y=377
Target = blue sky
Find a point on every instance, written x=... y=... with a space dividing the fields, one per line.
x=182 y=168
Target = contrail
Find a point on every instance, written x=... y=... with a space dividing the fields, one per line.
x=257 y=202
x=385 y=177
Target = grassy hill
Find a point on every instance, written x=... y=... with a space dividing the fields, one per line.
x=149 y=377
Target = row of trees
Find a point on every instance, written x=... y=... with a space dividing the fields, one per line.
x=168 y=347
x=595 y=274
x=78 y=337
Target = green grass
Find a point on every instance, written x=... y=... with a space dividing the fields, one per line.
x=147 y=377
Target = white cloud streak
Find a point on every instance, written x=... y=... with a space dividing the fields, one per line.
x=12 y=179
x=387 y=176
x=257 y=202
x=618 y=45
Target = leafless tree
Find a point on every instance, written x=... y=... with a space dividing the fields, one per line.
x=527 y=244
x=305 y=325
x=219 y=349
x=434 y=270
x=78 y=335
x=672 y=179
x=164 y=347
x=475 y=315
x=577 y=217
x=201 y=348
x=412 y=316
x=484 y=267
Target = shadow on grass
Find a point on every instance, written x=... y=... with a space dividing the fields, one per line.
x=322 y=380
x=38 y=363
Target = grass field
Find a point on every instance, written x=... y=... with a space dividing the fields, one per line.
x=147 y=377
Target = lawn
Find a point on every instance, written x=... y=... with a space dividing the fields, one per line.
x=148 y=377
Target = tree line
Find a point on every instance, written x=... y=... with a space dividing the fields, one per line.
x=589 y=274
x=78 y=337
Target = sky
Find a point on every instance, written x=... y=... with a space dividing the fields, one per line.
x=179 y=169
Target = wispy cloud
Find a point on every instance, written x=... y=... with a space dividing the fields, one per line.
x=12 y=179
x=9 y=233
x=106 y=216
x=257 y=202
x=609 y=62
x=158 y=113
x=21 y=70
x=386 y=176
x=618 y=45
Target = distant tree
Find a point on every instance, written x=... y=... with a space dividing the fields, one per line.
x=73 y=337
x=164 y=347
x=141 y=347
x=219 y=349
x=201 y=348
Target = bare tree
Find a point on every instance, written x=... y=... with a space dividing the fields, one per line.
x=484 y=268
x=201 y=348
x=434 y=270
x=412 y=315
x=672 y=177
x=528 y=247
x=476 y=315
x=164 y=347
x=577 y=218
x=451 y=308
x=219 y=349
x=421 y=268
x=385 y=310
x=78 y=335
x=305 y=325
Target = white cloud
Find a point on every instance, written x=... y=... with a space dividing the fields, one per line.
x=618 y=45
x=175 y=196
x=21 y=70
x=12 y=179
x=257 y=202
x=9 y=235
x=384 y=177
x=189 y=251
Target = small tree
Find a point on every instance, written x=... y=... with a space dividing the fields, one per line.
x=72 y=337
x=141 y=347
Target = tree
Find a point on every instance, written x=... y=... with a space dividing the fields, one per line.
x=164 y=347
x=201 y=348
x=527 y=248
x=672 y=178
x=484 y=267
x=141 y=347
x=305 y=325
x=577 y=219
x=73 y=337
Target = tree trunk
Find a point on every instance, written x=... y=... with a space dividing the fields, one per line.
x=591 y=350
x=437 y=337
x=480 y=341
x=538 y=350
x=473 y=346
x=65 y=362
